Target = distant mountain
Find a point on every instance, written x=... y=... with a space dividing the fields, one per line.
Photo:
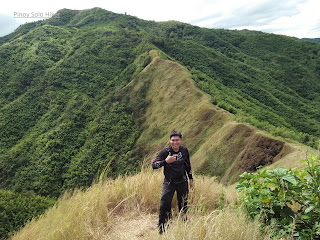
x=312 y=39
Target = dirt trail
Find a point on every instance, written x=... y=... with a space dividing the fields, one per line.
x=135 y=227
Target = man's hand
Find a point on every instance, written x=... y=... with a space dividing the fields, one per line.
x=191 y=184
x=170 y=158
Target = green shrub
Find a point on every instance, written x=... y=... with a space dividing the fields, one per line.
x=17 y=209
x=287 y=199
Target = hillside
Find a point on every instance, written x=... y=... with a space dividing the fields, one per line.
x=109 y=206
x=95 y=92
x=61 y=98
x=219 y=145
x=267 y=80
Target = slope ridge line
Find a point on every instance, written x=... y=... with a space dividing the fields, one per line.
x=219 y=145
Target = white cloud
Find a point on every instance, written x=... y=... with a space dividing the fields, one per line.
x=293 y=18
x=298 y=18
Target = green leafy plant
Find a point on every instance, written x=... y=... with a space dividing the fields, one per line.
x=221 y=202
x=287 y=199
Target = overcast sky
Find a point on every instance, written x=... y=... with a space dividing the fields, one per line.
x=297 y=18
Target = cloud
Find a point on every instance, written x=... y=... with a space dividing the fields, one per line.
x=293 y=17
x=316 y=30
x=254 y=14
x=7 y=24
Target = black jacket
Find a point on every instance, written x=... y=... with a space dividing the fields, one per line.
x=176 y=171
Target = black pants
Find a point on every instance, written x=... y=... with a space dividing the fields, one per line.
x=166 y=199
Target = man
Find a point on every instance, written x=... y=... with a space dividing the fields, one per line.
x=176 y=162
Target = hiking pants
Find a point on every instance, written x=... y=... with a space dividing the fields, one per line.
x=166 y=199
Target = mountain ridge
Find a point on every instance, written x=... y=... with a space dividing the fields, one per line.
x=55 y=74
x=208 y=128
x=88 y=94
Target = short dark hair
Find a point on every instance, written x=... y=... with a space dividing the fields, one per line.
x=175 y=133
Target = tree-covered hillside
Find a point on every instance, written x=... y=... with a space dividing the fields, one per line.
x=312 y=39
x=69 y=113
x=64 y=114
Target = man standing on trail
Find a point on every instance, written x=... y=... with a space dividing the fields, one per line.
x=176 y=162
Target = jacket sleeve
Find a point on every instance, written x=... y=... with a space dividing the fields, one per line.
x=188 y=166
x=160 y=161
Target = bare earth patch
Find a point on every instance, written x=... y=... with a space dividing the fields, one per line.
x=135 y=227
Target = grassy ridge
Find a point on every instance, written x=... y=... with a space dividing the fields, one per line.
x=267 y=80
x=269 y=96
x=219 y=146
x=95 y=213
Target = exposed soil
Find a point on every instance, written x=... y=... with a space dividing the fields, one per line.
x=259 y=151
x=136 y=227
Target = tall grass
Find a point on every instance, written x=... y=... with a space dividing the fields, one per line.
x=225 y=224
x=98 y=212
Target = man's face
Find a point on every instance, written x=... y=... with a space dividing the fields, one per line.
x=175 y=142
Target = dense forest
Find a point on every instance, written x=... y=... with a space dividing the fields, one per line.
x=67 y=115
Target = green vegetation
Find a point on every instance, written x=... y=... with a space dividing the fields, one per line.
x=73 y=95
x=17 y=209
x=271 y=87
x=289 y=200
x=63 y=115
x=312 y=39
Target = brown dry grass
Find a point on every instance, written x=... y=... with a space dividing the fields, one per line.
x=127 y=207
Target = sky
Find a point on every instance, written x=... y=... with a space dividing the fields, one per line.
x=296 y=18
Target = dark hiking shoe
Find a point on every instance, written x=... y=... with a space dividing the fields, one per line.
x=161 y=229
